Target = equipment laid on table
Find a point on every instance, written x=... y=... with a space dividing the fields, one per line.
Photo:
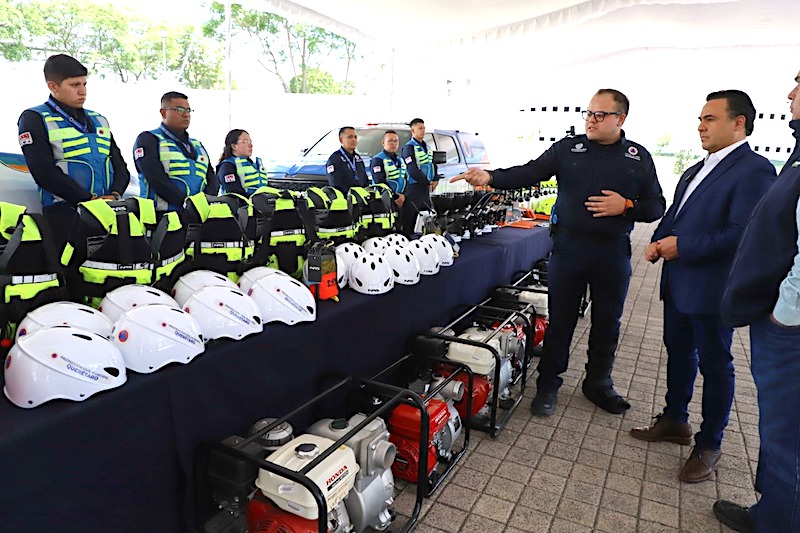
x=371 y=274
x=224 y=312
x=66 y=314
x=281 y=298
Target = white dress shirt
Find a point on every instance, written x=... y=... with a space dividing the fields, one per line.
x=712 y=160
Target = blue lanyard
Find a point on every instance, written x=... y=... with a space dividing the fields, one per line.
x=351 y=164
x=187 y=146
x=51 y=102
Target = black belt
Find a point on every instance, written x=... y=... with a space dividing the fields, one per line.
x=560 y=231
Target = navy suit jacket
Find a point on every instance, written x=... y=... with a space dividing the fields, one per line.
x=709 y=227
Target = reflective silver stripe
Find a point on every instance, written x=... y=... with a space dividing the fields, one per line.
x=38 y=278
x=376 y=215
x=336 y=230
x=170 y=260
x=116 y=266
x=287 y=232
x=228 y=244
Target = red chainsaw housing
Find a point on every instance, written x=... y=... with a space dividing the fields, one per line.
x=404 y=427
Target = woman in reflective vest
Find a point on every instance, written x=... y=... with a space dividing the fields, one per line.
x=236 y=170
x=83 y=155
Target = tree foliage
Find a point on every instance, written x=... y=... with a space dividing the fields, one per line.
x=291 y=52
x=109 y=41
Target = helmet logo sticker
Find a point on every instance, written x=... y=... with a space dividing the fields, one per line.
x=8 y=361
x=123 y=335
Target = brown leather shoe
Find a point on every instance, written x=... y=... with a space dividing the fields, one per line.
x=700 y=466
x=664 y=430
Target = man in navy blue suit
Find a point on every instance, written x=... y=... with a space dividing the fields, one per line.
x=697 y=238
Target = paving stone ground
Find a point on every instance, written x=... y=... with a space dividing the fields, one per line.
x=580 y=470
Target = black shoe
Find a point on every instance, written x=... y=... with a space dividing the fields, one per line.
x=606 y=398
x=735 y=516
x=544 y=404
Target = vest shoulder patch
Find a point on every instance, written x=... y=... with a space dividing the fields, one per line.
x=25 y=138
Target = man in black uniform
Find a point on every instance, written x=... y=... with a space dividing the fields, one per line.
x=345 y=167
x=605 y=184
x=70 y=151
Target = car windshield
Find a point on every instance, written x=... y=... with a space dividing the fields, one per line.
x=369 y=142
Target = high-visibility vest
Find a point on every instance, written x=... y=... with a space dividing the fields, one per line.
x=108 y=248
x=287 y=231
x=251 y=175
x=187 y=174
x=30 y=275
x=217 y=233
x=424 y=159
x=396 y=176
x=84 y=157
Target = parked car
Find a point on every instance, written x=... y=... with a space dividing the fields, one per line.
x=459 y=151
x=17 y=185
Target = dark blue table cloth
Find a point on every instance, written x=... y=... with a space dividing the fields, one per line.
x=124 y=460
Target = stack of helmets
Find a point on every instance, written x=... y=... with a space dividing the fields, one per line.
x=403 y=263
x=192 y=282
x=346 y=255
x=280 y=298
x=442 y=246
x=426 y=255
x=396 y=238
x=61 y=362
x=371 y=274
x=249 y=277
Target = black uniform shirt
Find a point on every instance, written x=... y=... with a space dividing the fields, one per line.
x=149 y=165
x=346 y=170
x=42 y=164
x=583 y=168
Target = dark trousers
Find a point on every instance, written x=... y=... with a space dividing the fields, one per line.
x=775 y=363
x=698 y=341
x=603 y=264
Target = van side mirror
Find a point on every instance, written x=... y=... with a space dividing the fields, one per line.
x=439 y=157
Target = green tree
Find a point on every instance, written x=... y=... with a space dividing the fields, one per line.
x=683 y=160
x=317 y=82
x=201 y=65
x=288 y=51
x=12 y=32
x=663 y=142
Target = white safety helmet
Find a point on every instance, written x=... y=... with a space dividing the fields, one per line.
x=151 y=337
x=375 y=245
x=442 y=246
x=127 y=297
x=371 y=274
x=404 y=265
x=192 y=282
x=349 y=252
x=426 y=255
x=396 y=239
x=341 y=273
x=283 y=299
x=249 y=277
x=61 y=362
x=65 y=314
x=223 y=312
x=342 y=266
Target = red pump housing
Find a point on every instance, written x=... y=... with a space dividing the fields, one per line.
x=265 y=517
x=481 y=388
x=404 y=424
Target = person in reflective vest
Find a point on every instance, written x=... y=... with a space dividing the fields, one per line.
x=173 y=166
x=70 y=151
x=345 y=167
x=389 y=168
x=421 y=173
x=236 y=170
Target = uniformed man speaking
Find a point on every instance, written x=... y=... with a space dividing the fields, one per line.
x=605 y=184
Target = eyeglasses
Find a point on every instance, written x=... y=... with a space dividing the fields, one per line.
x=179 y=109
x=599 y=116
x=245 y=142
